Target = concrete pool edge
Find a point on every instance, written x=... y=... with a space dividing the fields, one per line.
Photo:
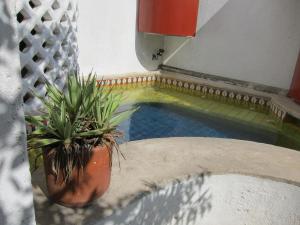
x=158 y=162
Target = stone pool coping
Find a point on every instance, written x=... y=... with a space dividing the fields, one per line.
x=280 y=105
x=154 y=163
x=277 y=101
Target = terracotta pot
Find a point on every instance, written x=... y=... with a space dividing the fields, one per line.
x=85 y=185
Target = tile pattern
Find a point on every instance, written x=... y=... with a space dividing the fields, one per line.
x=127 y=80
x=156 y=120
x=277 y=111
x=198 y=88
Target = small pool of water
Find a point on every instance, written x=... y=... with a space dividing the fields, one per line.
x=156 y=120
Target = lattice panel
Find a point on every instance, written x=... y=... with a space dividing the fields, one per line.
x=47 y=44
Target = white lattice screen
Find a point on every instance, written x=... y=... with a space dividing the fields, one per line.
x=47 y=43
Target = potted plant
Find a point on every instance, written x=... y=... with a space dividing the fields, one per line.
x=77 y=133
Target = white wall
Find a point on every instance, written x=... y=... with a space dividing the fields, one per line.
x=209 y=200
x=16 y=202
x=255 y=41
x=108 y=42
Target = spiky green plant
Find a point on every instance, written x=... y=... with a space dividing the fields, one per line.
x=72 y=123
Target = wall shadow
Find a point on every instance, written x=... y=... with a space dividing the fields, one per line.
x=242 y=44
x=178 y=43
x=182 y=202
x=16 y=206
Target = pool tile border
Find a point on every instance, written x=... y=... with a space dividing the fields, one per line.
x=241 y=97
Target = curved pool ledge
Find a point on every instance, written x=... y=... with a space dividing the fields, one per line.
x=213 y=200
x=156 y=163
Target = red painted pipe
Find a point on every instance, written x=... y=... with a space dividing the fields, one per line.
x=168 y=17
x=295 y=87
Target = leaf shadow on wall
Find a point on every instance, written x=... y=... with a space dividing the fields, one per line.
x=181 y=202
x=13 y=157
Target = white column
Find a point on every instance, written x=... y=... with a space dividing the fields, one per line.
x=16 y=201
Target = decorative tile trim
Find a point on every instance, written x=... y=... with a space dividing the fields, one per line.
x=216 y=91
x=277 y=111
x=241 y=83
x=127 y=80
x=198 y=88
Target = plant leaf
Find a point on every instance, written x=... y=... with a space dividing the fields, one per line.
x=41 y=143
x=120 y=117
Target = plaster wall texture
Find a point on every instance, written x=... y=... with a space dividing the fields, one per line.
x=256 y=41
x=214 y=200
x=207 y=9
x=16 y=200
x=108 y=41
